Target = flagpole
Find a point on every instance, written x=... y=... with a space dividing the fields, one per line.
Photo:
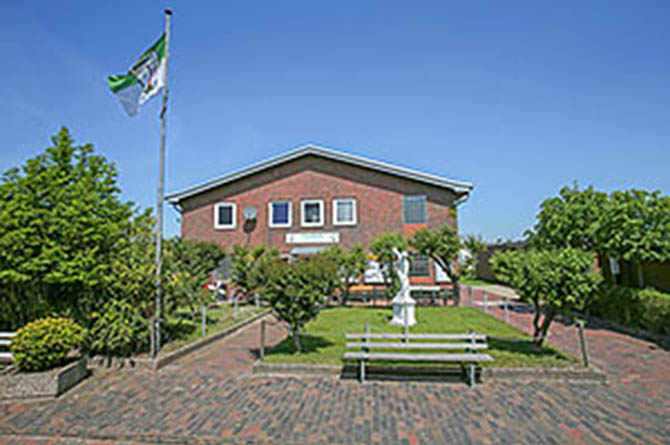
x=159 y=204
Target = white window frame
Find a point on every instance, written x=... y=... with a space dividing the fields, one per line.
x=271 y=213
x=216 y=216
x=354 y=212
x=322 y=212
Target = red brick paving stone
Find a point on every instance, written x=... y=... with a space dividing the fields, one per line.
x=210 y=397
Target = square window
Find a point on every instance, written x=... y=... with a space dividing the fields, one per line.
x=280 y=214
x=419 y=266
x=224 y=215
x=414 y=209
x=312 y=213
x=344 y=212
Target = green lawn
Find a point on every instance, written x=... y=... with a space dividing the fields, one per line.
x=476 y=282
x=324 y=343
x=218 y=319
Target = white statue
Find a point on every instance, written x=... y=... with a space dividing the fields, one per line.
x=403 y=303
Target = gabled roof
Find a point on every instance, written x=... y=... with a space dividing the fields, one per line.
x=461 y=188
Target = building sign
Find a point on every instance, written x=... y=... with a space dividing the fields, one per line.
x=313 y=238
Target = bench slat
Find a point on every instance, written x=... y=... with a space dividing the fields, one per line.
x=6 y=356
x=466 y=358
x=417 y=336
x=7 y=334
x=5 y=342
x=419 y=345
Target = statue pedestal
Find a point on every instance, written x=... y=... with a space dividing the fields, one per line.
x=403 y=306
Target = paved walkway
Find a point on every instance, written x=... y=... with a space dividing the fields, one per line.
x=210 y=397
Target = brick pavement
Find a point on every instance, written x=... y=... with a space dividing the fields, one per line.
x=210 y=397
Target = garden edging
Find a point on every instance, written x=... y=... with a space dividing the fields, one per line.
x=160 y=362
x=132 y=363
x=46 y=384
x=590 y=375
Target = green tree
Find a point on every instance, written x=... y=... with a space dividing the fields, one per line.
x=297 y=291
x=442 y=246
x=553 y=281
x=246 y=273
x=189 y=265
x=350 y=266
x=635 y=227
x=571 y=219
x=61 y=220
x=382 y=247
x=475 y=246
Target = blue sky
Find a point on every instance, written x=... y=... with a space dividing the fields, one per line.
x=518 y=97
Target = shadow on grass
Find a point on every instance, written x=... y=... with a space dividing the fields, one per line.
x=309 y=343
x=523 y=346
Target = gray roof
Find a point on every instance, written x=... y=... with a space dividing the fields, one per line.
x=462 y=188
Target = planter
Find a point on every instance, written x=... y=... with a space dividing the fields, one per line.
x=43 y=384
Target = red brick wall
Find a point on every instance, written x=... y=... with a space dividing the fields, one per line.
x=378 y=200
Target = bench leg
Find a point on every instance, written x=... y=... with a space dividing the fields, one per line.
x=471 y=368
x=362 y=372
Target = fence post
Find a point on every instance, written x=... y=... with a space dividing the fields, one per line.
x=506 y=310
x=256 y=301
x=235 y=309
x=472 y=303
x=262 y=349
x=204 y=319
x=484 y=300
x=582 y=341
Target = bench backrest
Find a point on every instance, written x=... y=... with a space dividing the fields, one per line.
x=5 y=340
x=468 y=336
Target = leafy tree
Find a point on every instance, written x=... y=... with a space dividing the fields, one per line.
x=350 y=266
x=118 y=329
x=297 y=291
x=553 y=281
x=61 y=220
x=475 y=246
x=382 y=247
x=246 y=272
x=442 y=246
x=635 y=226
x=189 y=265
x=571 y=219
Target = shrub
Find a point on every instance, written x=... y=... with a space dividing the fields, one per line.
x=647 y=309
x=297 y=291
x=118 y=330
x=45 y=343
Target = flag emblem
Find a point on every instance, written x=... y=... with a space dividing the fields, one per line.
x=144 y=79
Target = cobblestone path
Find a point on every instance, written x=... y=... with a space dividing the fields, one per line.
x=210 y=397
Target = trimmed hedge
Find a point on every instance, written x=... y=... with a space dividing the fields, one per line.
x=646 y=309
x=45 y=343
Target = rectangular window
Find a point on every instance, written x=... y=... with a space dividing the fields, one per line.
x=280 y=213
x=225 y=215
x=344 y=212
x=312 y=212
x=414 y=209
x=419 y=266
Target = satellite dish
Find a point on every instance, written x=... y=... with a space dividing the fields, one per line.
x=249 y=213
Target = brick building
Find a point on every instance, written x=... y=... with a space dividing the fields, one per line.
x=312 y=197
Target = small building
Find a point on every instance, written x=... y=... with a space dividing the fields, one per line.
x=309 y=198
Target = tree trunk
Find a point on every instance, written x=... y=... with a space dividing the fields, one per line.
x=457 y=292
x=536 y=323
x=548 y=318
x=296 y=339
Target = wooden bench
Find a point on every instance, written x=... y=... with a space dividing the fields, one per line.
x=5 y=340
x=469 y=343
